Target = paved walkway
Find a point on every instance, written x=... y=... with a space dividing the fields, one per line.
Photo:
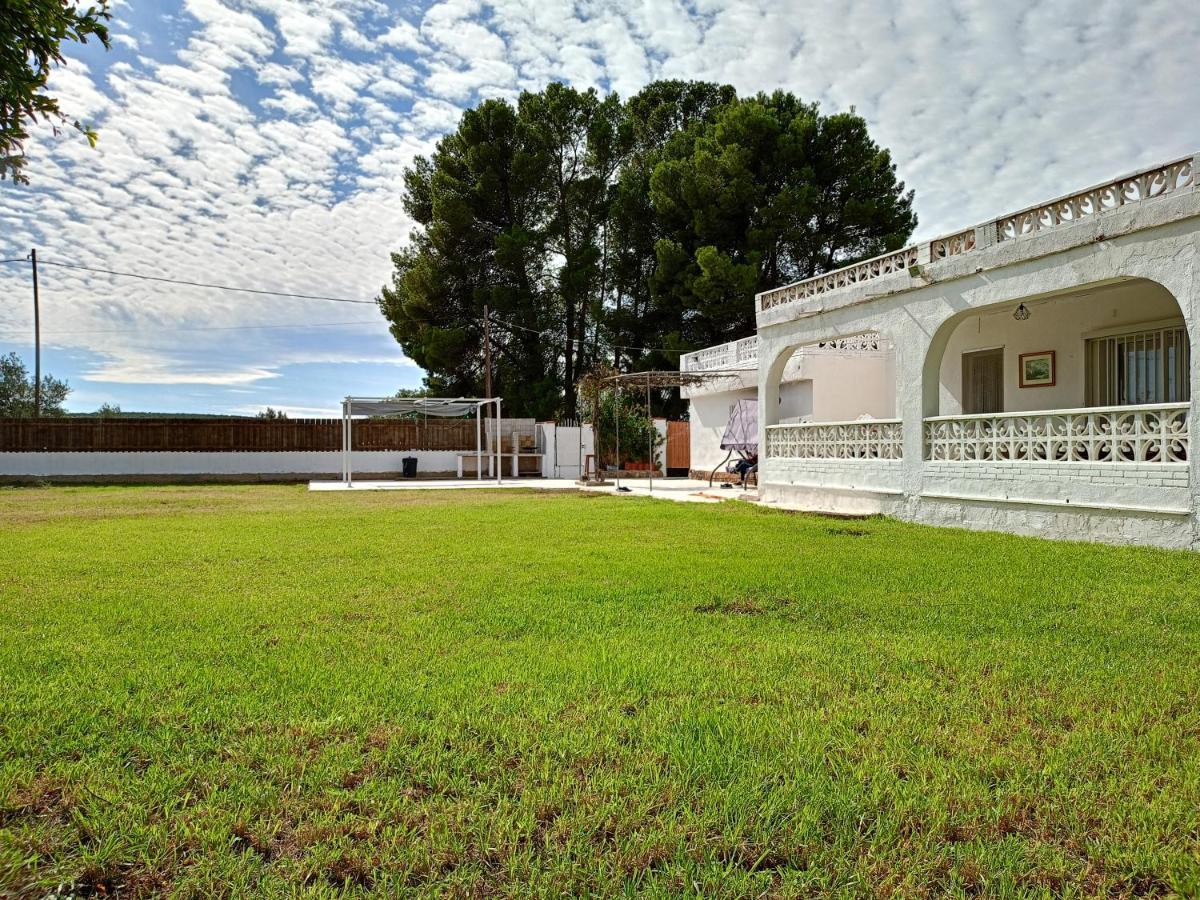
x=681 y=490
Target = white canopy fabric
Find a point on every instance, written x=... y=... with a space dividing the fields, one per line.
x=444 y=407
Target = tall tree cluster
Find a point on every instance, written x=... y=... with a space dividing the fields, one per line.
x=596 y=231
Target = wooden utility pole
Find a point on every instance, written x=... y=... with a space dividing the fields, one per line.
x=37 y=341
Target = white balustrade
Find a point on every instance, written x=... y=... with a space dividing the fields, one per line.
x=1155 y=182
x=868 y=439
x=746 y=350
x=952 y=244
x=741 y=354
x=868 y=341
x=1156 y=433
x=898 y=261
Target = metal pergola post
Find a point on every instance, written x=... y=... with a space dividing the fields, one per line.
x=617 y=419
x=650 y=434
x=349 y=442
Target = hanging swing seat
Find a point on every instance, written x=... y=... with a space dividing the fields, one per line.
x=741 y=437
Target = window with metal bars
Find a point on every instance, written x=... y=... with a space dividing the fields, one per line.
x=1139 y=367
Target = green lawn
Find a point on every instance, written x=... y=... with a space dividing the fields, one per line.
x=235 y=690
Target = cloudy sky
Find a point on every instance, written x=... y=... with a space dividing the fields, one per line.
x=261 y=143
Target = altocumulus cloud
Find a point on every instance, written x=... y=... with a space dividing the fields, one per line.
x=262 y=143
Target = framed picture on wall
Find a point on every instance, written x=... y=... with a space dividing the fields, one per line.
x=1037 y=369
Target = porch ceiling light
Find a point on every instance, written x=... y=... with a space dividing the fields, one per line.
x=1021 y=313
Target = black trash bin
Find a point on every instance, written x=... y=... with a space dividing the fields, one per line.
x=409 y=466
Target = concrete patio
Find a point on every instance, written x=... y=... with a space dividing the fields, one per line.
x=681 y=490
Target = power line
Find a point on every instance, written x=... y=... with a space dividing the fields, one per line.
x=226 y=287
x=583 y=342
x=202 y=284
x=134 y=330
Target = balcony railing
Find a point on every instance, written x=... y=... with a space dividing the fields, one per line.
x=741 y=354
x=1155 y=433
x=1157 y=181
x=867 y=342
x=899 y=261
x=869 y=439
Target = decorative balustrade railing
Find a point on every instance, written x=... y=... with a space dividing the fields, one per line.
x=867 y=341
x=897 y=261
x=1155 y=433
x=952 y=244
x=746 y=350
x=741 y=354
x=1155 y=182
x=868 y=439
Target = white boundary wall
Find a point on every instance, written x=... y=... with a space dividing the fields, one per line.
x=284 y=465
x=559 y=460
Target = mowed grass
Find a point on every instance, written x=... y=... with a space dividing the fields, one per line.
x=234 y=691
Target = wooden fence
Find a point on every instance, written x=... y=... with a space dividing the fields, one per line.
x=115 y=435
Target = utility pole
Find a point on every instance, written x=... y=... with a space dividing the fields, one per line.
x=487 y=354
x=37 y=341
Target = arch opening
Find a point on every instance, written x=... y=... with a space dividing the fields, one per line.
x=833 y=399
x=1118 y=344
x=836 y=380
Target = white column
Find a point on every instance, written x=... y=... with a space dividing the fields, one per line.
x=499 y=461
x=349 y=442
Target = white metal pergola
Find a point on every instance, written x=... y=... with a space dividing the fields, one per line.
x=440 y=407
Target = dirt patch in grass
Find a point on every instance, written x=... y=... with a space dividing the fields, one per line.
x=745 y=605
x=44 y=798
x=846 y=531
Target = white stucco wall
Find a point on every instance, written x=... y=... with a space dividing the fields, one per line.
x=859 y=487
x=796 y=401
x=1061 y=324
x=708 y=414
x=845 y=387
x=226 y=464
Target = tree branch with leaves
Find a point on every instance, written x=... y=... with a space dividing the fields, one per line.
x=32 y=34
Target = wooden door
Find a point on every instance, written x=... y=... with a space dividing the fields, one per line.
x=983 y=382
x=679 y=445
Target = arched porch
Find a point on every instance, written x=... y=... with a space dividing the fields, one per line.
x=835 y=443
x=1099 y=373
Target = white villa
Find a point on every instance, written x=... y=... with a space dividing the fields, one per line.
x=1032 y=374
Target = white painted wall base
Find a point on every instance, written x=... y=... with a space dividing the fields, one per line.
x=1122 y=527
x=838 y=501
x=291 y=466
x=1106 y=503
x=1108 y=485
x=879 y=475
